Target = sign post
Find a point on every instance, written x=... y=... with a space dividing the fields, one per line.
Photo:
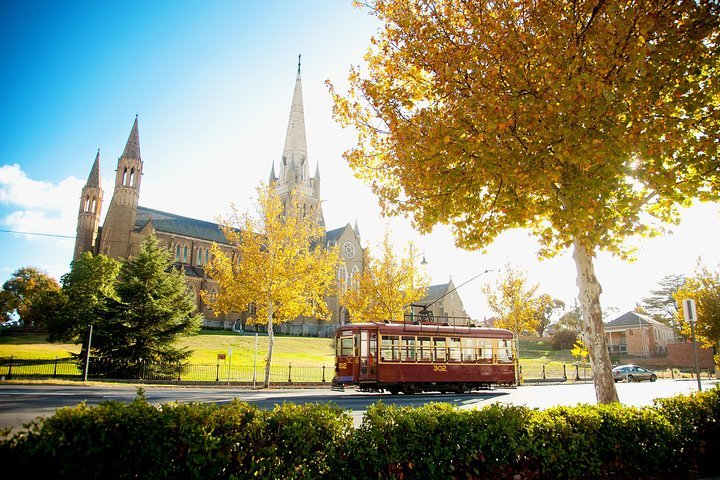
x=228 y=363
x=255 y=361
x=690 y=314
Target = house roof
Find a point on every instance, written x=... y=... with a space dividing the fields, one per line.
x=434 y=292
x=632 y=319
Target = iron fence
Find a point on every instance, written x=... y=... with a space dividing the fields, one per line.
x=72 y=368
x=223 y=373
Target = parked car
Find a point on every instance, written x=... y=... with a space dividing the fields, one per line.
x=632 y=373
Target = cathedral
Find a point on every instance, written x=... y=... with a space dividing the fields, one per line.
x=127 y=224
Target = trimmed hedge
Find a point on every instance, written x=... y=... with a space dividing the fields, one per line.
x=676 y=438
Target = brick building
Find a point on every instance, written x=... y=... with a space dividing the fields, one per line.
x=639 y=335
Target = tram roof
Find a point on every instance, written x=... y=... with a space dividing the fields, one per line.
x=400 y=328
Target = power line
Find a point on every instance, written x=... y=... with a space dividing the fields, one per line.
x=38 y=234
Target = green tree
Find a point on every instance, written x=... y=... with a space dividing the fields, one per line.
x=33 y=294
x=661 y=303
x=283 y=268
x=152 y=307
x=578 y=120
x=387 y=286
x=86 y=287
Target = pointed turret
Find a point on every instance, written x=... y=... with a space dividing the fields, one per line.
x=86 y=237
x=132 y=147
x=295 y=149
x=294 y=174
x=120 y=219
x=94 y=177
x=273 y=178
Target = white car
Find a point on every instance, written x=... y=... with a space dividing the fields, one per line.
x=632 y=373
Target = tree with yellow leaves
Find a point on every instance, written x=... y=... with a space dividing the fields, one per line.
x=703 y=287
x=280 y=264
x=585 y=121
x=387 y=286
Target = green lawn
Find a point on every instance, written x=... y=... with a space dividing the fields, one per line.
x=296 y=351
x=301 y=351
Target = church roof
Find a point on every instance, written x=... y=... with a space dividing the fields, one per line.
x=94 y=177
x=178 y=225
x=132 y=147
x=434 y=292
x=333 y=235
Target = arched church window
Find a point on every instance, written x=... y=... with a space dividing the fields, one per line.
x=86 y=208
x=342 y=278
x=355 y=277
x=124 y=176
x=185 y=254
x=177 y=253
x=207 y=256
x=132 y=177
x=94 y=205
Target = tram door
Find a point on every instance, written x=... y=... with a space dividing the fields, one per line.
x=368 y=354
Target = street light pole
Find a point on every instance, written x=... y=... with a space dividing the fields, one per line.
x=87 y=355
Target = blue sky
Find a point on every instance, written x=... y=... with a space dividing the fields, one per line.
x=212 y=84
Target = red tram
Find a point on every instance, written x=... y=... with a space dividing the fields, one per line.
x=420 y=357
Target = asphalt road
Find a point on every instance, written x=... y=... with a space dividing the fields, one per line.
x=20 y=404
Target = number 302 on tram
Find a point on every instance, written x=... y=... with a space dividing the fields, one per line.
x=414 y=358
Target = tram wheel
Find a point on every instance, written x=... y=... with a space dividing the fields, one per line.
x=410 y=389
x=393 y=390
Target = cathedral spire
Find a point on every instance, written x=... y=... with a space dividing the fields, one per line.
x=94 y=177
x=295 y=150
x=132 y=147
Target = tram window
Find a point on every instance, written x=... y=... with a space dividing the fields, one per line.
x=454 y=353
x=425 y=348
x=390 y=348
x=440 y=352
x=469 y=352
x=407 y=349
x=485 y=350
x=504 y=353
x=346 y=346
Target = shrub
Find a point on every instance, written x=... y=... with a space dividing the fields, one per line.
x=675 y=438
x=564 y=339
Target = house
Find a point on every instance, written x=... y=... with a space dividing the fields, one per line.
x=639 y=335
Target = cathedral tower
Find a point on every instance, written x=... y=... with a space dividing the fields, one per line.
x=89 y=215
x=294 y=169
x=120 y=220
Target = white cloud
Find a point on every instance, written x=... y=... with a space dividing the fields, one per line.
x=38 y=207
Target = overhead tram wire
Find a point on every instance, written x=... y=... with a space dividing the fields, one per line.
x=37 y=234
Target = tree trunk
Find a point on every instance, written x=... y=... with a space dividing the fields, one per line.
x=590 y=290
x=271 y=343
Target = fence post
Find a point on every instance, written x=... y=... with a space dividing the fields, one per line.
x=55 y=368
x=179 y=370
x=289 y=372
x=564 y=373
x=543 y=372
x=217 y=372
x=323 y=379
x=577 y=373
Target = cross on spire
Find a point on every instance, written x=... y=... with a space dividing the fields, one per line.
x=299 y=55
